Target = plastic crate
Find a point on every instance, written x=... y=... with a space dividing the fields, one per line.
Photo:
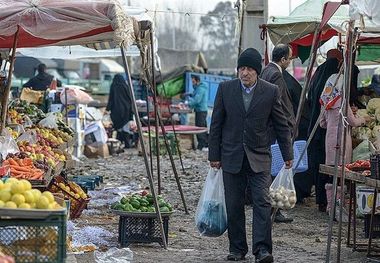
x=376 y=226
x=34 y=240
x=135 y=229
x=77 y=205
x=278 y=162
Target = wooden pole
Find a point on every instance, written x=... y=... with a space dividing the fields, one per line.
x=4 y=101
x=154 y=89
x=347 y=85
x=142 y=144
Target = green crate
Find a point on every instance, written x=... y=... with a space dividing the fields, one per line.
x=34 y=240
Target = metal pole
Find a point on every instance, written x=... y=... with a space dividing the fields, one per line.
x=335 y=179
x=175 y=133
x=173 y=165
x=347 y=85
x=305 y=90
x=147 y=167
x=149 y=131
x=4 y=101
x=153 y=85
x=241 y=10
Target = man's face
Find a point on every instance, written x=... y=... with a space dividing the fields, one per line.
x=247 y=75
x=286 y=61
x=194 y=81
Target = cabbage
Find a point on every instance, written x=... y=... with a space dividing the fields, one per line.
x=362 y=132
x=375 y=131
x=362 y=113
x=373 y=104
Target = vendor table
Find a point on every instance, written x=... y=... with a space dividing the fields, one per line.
x=353 y=178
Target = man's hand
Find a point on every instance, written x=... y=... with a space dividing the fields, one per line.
x=216 y=165
x=289 y=164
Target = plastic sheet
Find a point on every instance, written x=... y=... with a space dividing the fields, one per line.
x=114 y=255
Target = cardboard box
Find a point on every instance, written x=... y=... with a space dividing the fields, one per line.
x=96 y=149
x=365 y=198
x=76 y=111
x=76 y=124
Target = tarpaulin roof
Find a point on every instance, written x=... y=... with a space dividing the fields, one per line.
x=303 y=21
x=64 y=22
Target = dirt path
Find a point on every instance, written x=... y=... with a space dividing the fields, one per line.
x=304 y=240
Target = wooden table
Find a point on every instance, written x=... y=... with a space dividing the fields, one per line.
x=354 y=178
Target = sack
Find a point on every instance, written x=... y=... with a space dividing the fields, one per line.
x=282 y=191
x=32 y=96
x=75 y=96
x=211 y=215
x=362 y=151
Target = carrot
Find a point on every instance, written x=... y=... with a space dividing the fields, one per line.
x=13 y=162
x=28 y=162
x=21 y=169
x=36 y=176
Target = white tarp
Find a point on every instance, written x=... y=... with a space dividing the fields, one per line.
x=64 y=22
x=369 y=10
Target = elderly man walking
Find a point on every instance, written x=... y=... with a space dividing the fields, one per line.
x=239 y=143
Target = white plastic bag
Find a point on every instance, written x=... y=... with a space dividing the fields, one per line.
x=29 y=136
x=50 y=121
x=211 y=214
x=282 y=191
x=7 y=145
x=114 y=255
x=75 y=96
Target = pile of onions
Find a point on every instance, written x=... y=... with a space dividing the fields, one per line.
x=282 y=198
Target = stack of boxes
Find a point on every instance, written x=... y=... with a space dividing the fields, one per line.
x=76 y=114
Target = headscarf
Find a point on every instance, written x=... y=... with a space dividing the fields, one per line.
x=120 y=102
x=317 y=84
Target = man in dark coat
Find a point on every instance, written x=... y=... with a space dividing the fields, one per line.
x=281 y=57
x=239 y=143
x=42 y=80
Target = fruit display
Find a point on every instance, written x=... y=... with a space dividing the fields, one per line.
x=13 y=133
x=71 y=191
x=23 y=169
x=282 y=198
x=18 y=194
x=51 y=137
x=19 y=109
x=142 y=202
x=41 y=154
x=359 y=165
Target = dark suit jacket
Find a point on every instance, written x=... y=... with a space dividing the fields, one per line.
x=273 y=75
x=234 y=130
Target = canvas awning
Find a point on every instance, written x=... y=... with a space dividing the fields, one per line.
x=64 y=22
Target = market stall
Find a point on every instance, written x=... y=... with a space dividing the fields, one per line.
x=27 y=24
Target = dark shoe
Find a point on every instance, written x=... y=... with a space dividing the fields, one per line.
x=264 y=256
x=280 y=218
x=235 y=257
x=322 y=208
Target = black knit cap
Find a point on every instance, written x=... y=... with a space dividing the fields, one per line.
x=250 y=58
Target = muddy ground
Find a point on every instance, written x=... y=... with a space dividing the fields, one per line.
x=304 y=240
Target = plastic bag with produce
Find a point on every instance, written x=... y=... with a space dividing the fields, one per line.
x=282 y=191
x=7 y=145
x=50 y=121
x=211 y=215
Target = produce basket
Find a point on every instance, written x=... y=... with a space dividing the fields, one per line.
x=141 y=228
x=42 y=183
x=77 y=204
x=34 y=240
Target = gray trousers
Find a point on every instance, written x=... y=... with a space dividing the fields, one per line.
x=234 y=187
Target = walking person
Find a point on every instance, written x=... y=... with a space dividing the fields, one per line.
x=273 y=73
x=120 y=106
x=239 y=143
